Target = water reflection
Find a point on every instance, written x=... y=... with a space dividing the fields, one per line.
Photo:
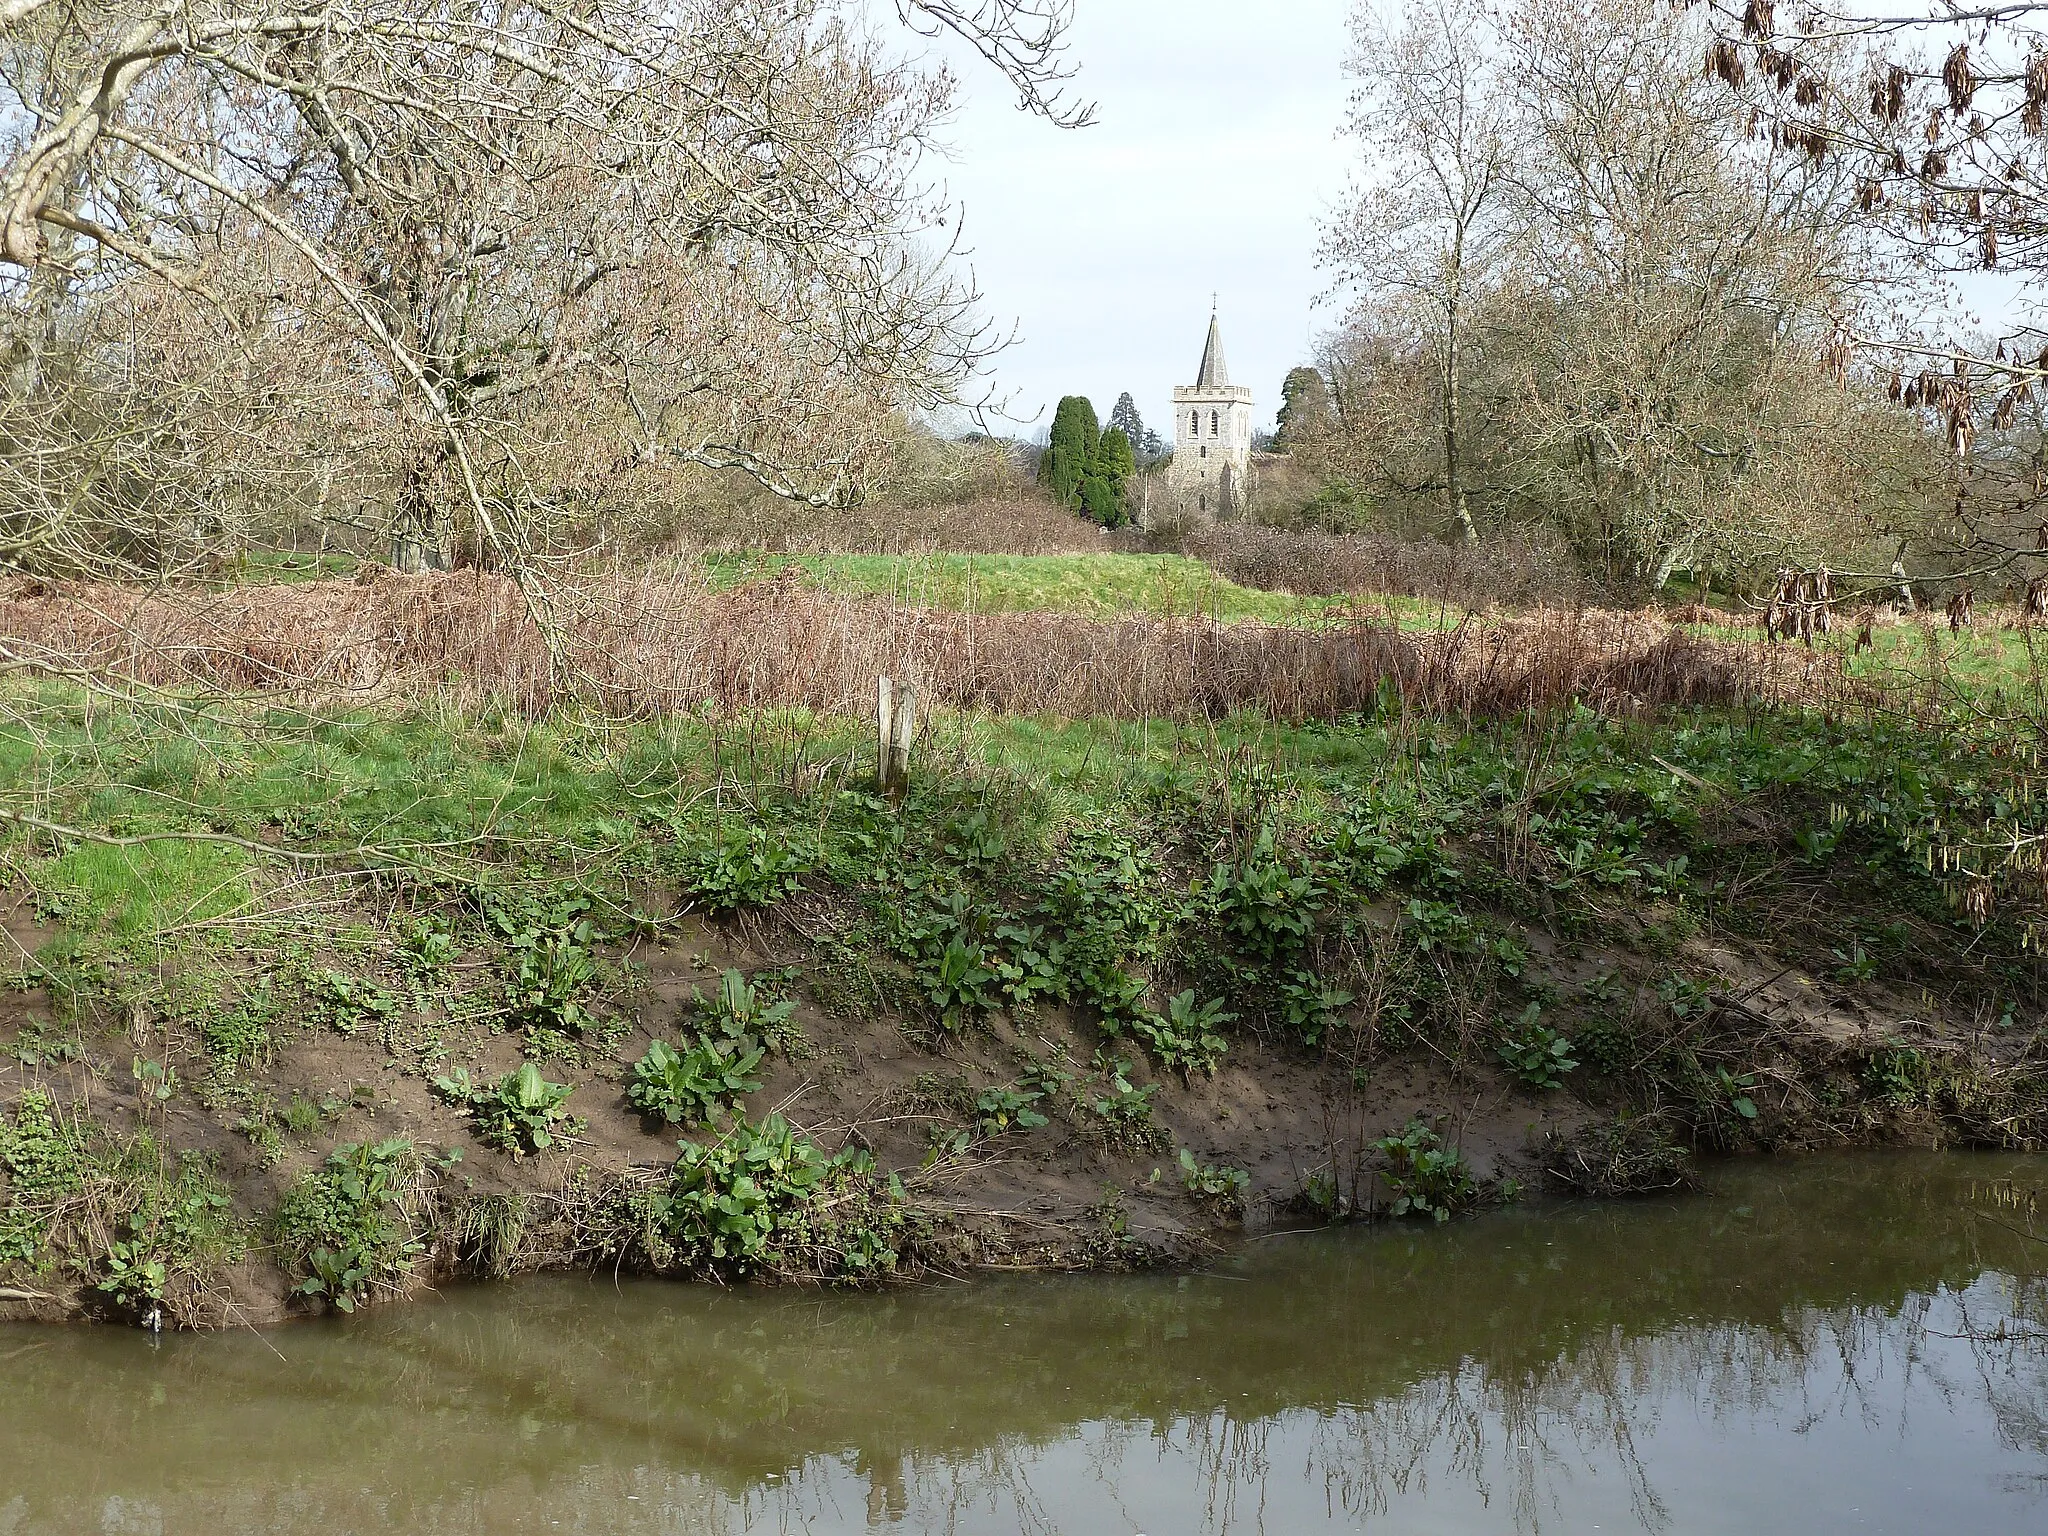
x=1834 y=1344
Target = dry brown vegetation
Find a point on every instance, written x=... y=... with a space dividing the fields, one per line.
x=1011 y=520
x=1516 y=568
x=639 y=646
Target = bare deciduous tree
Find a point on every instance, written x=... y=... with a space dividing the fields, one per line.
x=1650 y=354
x=1936 y=118
x=1425 y=228
x=502 y=253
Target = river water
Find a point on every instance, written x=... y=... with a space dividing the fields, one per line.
x=1854 y=1343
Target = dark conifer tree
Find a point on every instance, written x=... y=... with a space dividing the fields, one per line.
x=1125 y=418
x=1070 y=452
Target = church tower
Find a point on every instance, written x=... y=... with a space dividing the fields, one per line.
x=1212 y=439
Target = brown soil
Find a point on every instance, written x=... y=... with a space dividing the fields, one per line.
x=1060 y=1196
x=1064 y=1195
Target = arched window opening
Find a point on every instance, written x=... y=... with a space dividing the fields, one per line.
x=1212 y=423
x=1195 y=425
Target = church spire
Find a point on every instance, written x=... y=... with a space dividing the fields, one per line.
x=1215 y=374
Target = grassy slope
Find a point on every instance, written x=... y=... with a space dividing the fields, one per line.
x=1449 y=882
x=1098 y=586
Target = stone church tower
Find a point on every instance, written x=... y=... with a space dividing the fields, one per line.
x=1212 y=440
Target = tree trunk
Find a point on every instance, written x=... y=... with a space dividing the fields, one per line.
x=1666 y=564
x=415 y=545
x=1454 y=484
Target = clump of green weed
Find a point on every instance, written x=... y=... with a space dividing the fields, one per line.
x=1309 y=1005
x=354 y=1225
x=426 y=946
x=1188 y=1038
x=1899 y=1074
x=1266 y=910
x=1223 y=1187
x=766 y=1198
x=38 y=1042
x=140 y=1228
x=237 y=1033
x=1535 y=1054
x=1606 y=1045
x=353 y=1003
x=1734 y=1092
x=267 y=1126
x=1604 y=988
x=1111 y=912
x=1426 y=1177
x=551 y=978
x=303 y=1114
x=1027 y=962
x=728 y=868
x=954 y=967
x=488 y=1233
x=1721 y=1100
x=552 y=975
x=42 y=1163
x=959 y=982
x=1686 y=998
x=745 y=1010
x=1439 y=925
x=698 y=1085
x=180 y=1226
x=521 y=1113
x=997 y=1110
x=1124 y=1109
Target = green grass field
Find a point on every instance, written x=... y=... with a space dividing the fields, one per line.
x=1098 y=586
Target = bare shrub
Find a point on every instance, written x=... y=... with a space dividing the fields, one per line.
x=1519 y=568
x=647 y=645
x=970 y=495
x=509 y=264
x=1005 y=521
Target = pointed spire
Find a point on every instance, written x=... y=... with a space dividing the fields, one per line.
x=1215 y=373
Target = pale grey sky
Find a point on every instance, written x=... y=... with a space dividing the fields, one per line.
x=1094 y=242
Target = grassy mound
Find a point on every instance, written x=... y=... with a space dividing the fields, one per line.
x=312 y=1007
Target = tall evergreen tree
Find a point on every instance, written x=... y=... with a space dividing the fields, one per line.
x=1103 y=492
x=1103 y=501
x=1126 y=419
x=1070 y=452
x=1304 y=406
x=1118 y=460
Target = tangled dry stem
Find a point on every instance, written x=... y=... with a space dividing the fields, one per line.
x=644 y=646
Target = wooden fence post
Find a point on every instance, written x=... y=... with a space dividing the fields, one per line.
x=895 y=729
